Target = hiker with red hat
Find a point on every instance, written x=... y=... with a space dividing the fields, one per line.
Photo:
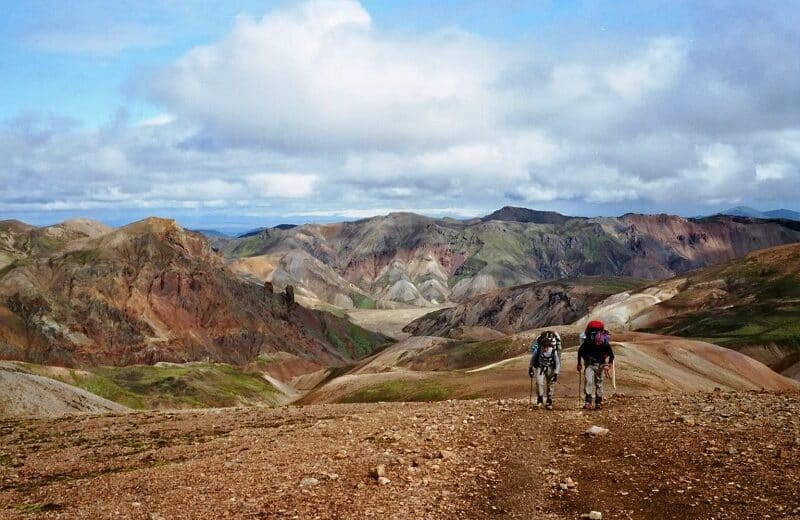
x=596 y=354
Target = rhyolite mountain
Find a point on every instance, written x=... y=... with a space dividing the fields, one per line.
x=82 y=294
x=524 y=307
x=750 y=304
x=409 y=259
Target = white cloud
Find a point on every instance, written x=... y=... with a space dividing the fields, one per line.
x=374 y=211
x=282 y=185
x=772 y=171
x=319 y=76
x=315 y=110
x=158 y=120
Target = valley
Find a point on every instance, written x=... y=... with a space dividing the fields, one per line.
x=147 y=373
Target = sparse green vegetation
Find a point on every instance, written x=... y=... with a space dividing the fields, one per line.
x=471 y=267
x=361 y=301
x=400 y=390
x=249 y=246
x=38 y=507
x=183 y=386
x=466 y=355
x=5 y=459
x=83 y=256
x=608 y=285
x=362 y=340
x=13 y=265
x=350 y=339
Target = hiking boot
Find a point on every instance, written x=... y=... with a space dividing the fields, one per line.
x=587 y=405
x=549 y=404
x=598 y=403
x=539 y=402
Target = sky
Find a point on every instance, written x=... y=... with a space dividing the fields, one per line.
x=239 y=114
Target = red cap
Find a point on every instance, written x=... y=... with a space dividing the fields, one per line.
x=595 y=325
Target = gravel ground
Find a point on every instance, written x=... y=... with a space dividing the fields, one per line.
x=713 y=455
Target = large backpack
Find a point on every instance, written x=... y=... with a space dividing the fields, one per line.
x=596 y=337
x=547 y=334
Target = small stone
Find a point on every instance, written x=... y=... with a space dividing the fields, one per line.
x=732 y=451
x=340 y=455
x=595 y=431
x=687 y=420
x=309 y=482
x=378 y=471
x=445 y=454
x=593 y=515
x=569 y=483
x=382 y=481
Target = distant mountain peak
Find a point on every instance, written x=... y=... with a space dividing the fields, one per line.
x=744 y=211
x=517 y=214
x=747 y=211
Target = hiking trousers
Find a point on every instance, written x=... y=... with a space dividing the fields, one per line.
x=593 y=377
x=544 y=382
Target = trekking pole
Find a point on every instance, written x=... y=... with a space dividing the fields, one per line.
x=530 y=401
x=614 y=377
x=580 y=387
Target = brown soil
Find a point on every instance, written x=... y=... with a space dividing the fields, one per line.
x=709 y=455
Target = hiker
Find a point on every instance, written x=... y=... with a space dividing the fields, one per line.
x=544 y=366
x=595 y=352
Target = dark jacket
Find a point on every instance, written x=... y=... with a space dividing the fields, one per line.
x=591 y=354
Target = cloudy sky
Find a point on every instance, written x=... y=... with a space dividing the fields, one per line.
x=231 y=115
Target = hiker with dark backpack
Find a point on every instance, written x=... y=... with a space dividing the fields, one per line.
x=544 y=366
x=596 y=354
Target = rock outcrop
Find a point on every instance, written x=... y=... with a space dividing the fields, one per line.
x=152 y=291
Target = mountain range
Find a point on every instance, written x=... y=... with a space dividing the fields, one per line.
x=746 y=211
x=404 y=259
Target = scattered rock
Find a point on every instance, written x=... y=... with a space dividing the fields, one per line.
x=382 y=481
x=569 y=483
x=687 y=420
x=595 y=431
x=309 y=482
x=445 y=454
x=593 y=515
x=378 y=471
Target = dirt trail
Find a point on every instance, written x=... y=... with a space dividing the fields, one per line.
x=712 y=455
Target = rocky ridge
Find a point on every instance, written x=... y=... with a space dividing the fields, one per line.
x=152 y=291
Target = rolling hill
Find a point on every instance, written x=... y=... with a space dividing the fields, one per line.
x=751 y=304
